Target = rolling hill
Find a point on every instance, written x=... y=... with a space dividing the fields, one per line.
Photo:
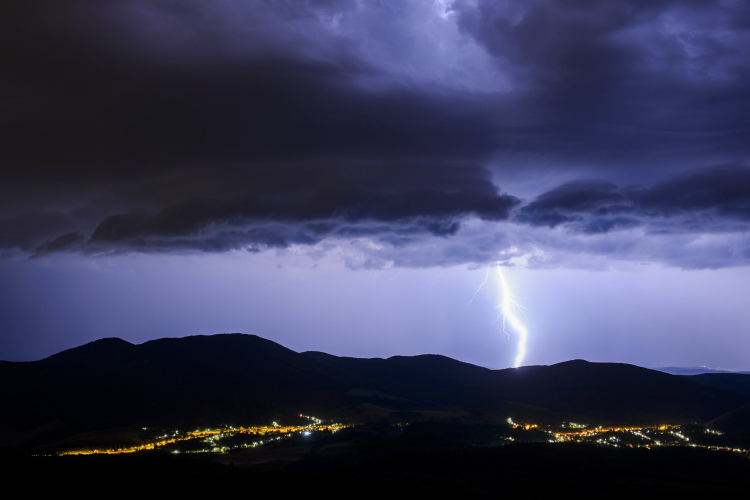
x=240 y=379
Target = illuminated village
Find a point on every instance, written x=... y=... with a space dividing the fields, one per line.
x=645 y=437
x=230 y=439
x=217 y=440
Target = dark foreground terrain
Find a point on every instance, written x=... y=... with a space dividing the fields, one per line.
x=380 y=461
x=235 y=416
x=107 y=388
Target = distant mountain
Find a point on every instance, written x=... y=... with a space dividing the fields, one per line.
x=240 y=379
x=695 y=370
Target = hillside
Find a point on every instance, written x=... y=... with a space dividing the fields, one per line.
x=738 y=382
x=240 y=379
x=734 y=422
x=191 y=380
x=615 y=392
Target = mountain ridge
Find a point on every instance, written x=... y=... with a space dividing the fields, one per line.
x=239 y=378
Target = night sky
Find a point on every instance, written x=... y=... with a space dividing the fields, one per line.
x=338 y=176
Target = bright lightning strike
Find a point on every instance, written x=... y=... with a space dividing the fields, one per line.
x=508 y=308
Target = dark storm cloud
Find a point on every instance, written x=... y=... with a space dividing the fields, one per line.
x=131 y=87
x=624 y=81
x=564 y=204
x=150 y=139
x=74 y=105
x=724 y=191
x=61 y=243
x=705 y=200
x=409 y=197
x=25 y=230
x=169 y=125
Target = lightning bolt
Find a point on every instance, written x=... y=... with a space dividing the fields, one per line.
x=486 y=277
x=508 y=308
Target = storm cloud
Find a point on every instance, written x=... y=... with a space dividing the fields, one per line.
x=704 y=200
x=396 y=131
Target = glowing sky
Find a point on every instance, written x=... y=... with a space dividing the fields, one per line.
x=337 y=175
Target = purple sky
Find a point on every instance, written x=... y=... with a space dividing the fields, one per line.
x=338 y=175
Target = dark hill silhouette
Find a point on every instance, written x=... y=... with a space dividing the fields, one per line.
x=408 y=382
x=734 y=422
x=615 y=392
x=165 y=382
x=605 y=392
x=240 y=379
x=738 y=382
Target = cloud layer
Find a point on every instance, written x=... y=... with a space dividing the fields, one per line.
x=384 y=133
x=705 y=200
